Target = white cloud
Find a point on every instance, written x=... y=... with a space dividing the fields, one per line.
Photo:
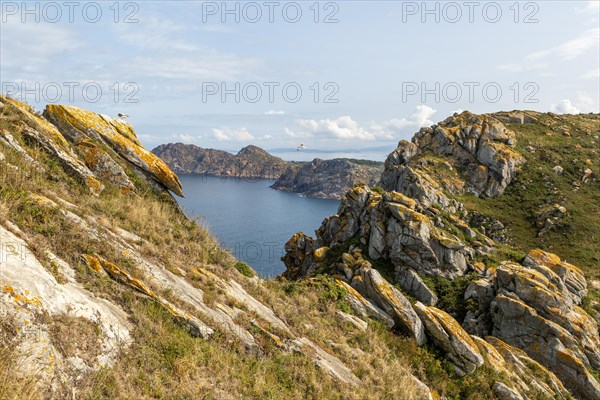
x=346 y=128
x=591 y=74
x=186 y=138
x=236 y=135
x=564 y=107
x=265 y=137
x=583 y=104
x=30 y=47
x=418 y=119
x=342 y=128
x=275 y=112
x=589 y=40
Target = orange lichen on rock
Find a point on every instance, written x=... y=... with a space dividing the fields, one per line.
x=93 y=263
x=120 y=138
x=49 y=130
x=120 y=274
x=22 y=299
x=123 y=127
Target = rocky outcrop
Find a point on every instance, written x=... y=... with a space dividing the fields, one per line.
x=70 y=164
x=328 y=178
x=363 y=307
x=479 y=144
x=527 y=377
x=447 y=333
x=534 y=307
x=249 y=162
x=529 y=312
x=412 y=283
x=391 y=229
x=393 y=302
x=81 y=126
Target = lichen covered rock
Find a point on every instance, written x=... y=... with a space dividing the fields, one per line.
x=447 y=333
x=79 y=125
x=394 y=303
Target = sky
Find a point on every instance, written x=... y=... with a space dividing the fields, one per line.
x=351 y=77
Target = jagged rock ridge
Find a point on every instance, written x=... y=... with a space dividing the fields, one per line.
x=249 y=162
x=522 y=317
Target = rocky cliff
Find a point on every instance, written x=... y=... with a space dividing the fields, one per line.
x=448 y=253
x=328 y=178
x=249 y=162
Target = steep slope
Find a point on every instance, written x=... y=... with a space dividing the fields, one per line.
x=455 y=226
x=328 y=178
x=108 y=291
x=249 y=162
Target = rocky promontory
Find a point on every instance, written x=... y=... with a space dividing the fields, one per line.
x=318 y=178
x=328 y=178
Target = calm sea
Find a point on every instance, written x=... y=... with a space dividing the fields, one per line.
x=251 y=219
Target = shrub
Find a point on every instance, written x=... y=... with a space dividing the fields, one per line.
x=244 y=269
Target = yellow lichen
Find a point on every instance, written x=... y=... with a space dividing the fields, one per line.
x=320 y=253
x=93 y=263
x=93 y=124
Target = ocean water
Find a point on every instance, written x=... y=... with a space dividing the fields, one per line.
x=250 y=218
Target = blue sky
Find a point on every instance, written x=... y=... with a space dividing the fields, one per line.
x=374 y=60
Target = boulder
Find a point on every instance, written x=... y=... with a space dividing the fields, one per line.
x=570 y=276
x=394 y=303
x=299 y=258
x=447 y=333
x=545 y=341
x=364 y=307
x=356 y=322
x=412 y=284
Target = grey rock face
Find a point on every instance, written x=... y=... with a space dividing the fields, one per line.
x=482 y=145
x=534 y=308
x=447 y=333
x=394 y=303
x=365 y=308
x=412 y=283
x=249 y=162
x=328 y=178
x=73 y=166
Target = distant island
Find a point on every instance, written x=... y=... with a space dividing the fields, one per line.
x=318 y=178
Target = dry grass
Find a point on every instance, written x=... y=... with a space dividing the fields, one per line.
x=164 y=360
x=13 y=385
x=75 y=337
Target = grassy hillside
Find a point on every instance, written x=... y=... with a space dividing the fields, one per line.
x=571 y=142
x=165 y=361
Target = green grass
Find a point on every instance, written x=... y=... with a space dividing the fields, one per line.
x=244 y=269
